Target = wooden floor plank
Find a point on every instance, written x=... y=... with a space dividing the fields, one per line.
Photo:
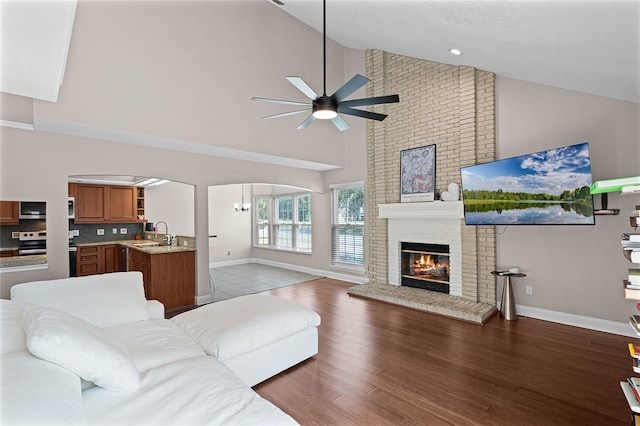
x=383 y=364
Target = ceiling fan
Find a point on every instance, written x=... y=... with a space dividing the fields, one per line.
x=327 y=107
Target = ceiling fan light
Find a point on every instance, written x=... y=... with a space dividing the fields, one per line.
x=325 y=113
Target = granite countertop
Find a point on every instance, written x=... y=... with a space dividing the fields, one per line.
x=23 y=262
x=144 y=246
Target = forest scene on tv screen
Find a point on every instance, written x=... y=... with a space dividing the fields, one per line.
x=544 y=188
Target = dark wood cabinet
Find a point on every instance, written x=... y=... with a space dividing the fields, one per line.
x=98 y=259
x=89 y=261
x=9 y=213
x=168 y=277
x=111 y=258
x=121 y=204
x=90 y=203
x=105 y=203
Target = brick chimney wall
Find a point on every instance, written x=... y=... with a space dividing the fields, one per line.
x=452 y=107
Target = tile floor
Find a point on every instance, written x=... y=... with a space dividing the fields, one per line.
x=248 y=278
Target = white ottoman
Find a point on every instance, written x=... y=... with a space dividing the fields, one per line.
x=257 y=336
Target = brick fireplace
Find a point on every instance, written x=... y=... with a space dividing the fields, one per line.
x=452 y=107
x=431 y=223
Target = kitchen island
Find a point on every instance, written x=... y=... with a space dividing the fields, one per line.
x=168 y=270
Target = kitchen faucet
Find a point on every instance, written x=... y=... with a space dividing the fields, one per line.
x=166 y=231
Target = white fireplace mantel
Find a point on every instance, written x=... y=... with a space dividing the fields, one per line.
x=433 y=209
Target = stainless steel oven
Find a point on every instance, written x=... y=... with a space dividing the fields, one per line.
x=32 y=243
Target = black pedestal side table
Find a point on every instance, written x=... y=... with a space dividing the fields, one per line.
x=508 y=305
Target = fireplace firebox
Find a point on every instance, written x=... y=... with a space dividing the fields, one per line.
x=425 y=266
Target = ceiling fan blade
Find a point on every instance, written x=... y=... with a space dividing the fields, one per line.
x=364 y=114
x=285 y=114
x=356 y=82
x=340 y=123
x=371 y=101
x=280 y=101
x=303 y=87
x=306 y=122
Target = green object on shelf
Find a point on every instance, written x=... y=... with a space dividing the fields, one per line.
x=613 y=185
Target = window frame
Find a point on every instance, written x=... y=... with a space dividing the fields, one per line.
x=335 y=228
x=275 y=224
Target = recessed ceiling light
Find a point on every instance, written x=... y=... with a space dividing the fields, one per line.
x=456 y=52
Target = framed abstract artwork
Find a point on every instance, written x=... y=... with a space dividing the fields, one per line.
x=418 y=174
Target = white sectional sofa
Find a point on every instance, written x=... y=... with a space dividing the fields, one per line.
x=93 y=350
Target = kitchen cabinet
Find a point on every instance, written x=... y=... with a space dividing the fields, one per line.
x=98 y=259
x=140 y=203
x=89 y=261
x=111 y=258
x=105 y=203
x=8 y=253
x=9 y=213
x=90 y=203
x=168 y=277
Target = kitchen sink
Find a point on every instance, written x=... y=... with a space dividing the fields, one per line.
x=148 y=244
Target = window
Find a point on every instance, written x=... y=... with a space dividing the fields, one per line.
x=347 y=225
x=262 y=220
x=284 y=222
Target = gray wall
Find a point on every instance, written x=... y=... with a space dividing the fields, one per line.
x=573 y=269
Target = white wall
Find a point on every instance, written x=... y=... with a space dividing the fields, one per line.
x=166 y=72
x=573 y=269
x=186 y=72
x=173 y=203
x=232 y=229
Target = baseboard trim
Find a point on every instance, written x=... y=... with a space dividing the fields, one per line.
x=581 y=321
x=203 y=300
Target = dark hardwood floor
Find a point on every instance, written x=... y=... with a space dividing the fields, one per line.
x=383 y=364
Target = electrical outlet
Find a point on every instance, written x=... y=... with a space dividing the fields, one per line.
x=228 y=252
x=75 y=232
x=184 y=243
x=123 y=231
x=15 y=235
x=100 y=231
x=529 y=289
x=114 y=231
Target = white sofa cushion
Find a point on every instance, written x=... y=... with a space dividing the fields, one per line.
x=154 y=343
x=243 y=324
x=194 y=391
x=88 y=351
x=36 y=392
x=11 y=326
x=103 y=300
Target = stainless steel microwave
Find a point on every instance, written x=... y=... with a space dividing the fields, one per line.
x=33 y=210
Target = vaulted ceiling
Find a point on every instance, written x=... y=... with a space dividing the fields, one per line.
x=589 y=46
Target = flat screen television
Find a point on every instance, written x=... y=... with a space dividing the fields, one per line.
x=543 y=188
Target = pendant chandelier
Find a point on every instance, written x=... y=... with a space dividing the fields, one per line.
x=242 y=206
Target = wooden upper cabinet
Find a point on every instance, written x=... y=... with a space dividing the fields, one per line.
x=122 y=204
x=105 y=203
x=72 y=189
x=9 y=213
x=91 y=203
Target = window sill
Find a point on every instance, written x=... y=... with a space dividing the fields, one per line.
x=284 y=249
